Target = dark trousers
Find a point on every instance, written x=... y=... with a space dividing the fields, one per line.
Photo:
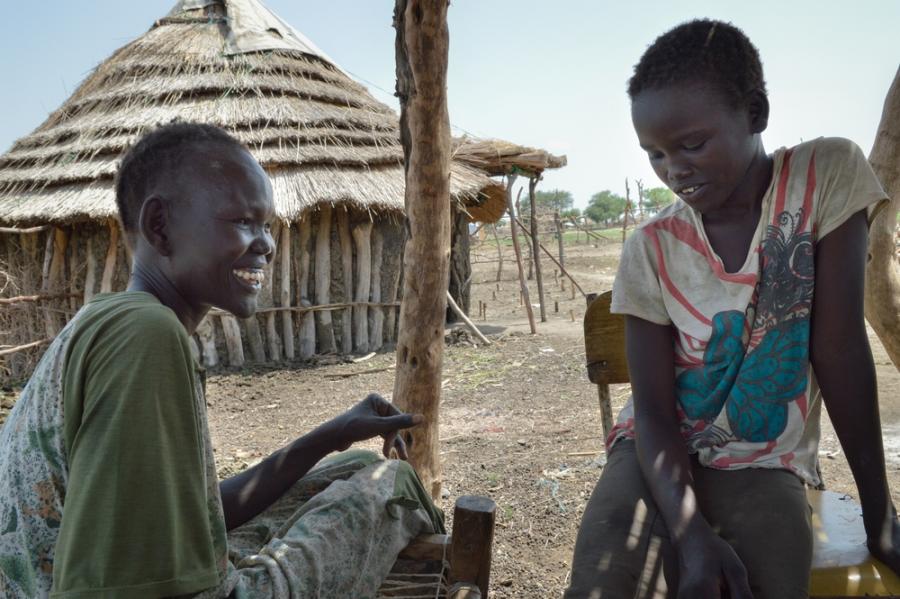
x=623 y=549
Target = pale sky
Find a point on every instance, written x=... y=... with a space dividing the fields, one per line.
x=545 y=74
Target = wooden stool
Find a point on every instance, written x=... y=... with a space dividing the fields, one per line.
x=842 y=565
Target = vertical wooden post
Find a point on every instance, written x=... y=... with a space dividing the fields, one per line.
x=882 y=295
x=390 y=324
x=343 y=227
x=267 y=298
x=559 y=237
x=207 y=334
x=422 y=49
x=324 y=328
x=640 y=197
x=57 y=240
x=523 y=284
x=233 y=342
x=109 y=265
x=362 y=236
x=376 y=335
x=287 y=322
x=473 y=535
x=307 y=319
x=499 y=253
x=90 y=270
x=536 y=247
x=627 y=209
x=254 y=338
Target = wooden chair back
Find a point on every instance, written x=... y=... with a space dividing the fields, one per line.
x=604 y=350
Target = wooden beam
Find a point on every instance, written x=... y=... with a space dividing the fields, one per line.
x=466 y=320
x=376 y=335
x=307 y=319
x=343 y=227
x=324 y=327
x=18 y=231
x=287 y=322
x=882 y=296
x=473 y=536
x=523 y=283
x=421 y=48
x=535 y=248
x=362 y=237
x=109 y=265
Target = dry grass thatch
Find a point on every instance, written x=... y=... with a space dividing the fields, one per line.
x=497 y=157
x=321 y=136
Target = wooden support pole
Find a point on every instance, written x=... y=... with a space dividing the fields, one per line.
x=207 y=335
x=563 y=270
x=307 y=320
x=473 y=536
x=535 y=247
x=324 y=327
x=54 y=267
x=376 y=334
x=422 y=48
x=287 y=322
x=523 y=283
x=559 y=238
x=267 y=298
x=109 y=265
x=343 y=227
x=90 y=270
x=466 y=319
x=362 y=237
x=254 y=338
x=390 y=324
x=499 y=253
x=627 y=209
x=233 y=343
x=882 y=293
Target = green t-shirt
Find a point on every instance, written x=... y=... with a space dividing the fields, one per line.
x=107 y=482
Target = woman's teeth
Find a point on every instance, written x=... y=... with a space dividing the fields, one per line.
x=254 y=277
x=690 y=190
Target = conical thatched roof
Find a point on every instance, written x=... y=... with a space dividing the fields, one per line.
x=321 y=136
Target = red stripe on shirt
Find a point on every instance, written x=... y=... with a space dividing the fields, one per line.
x=670 y=286
x=725 y=462
x=782 y=185
x=687 y=233
x=808 y=194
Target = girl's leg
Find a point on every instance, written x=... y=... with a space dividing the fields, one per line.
x=623 y=549
x=764 y=515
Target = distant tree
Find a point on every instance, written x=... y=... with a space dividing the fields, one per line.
x=604 y=207
x=570 y=213
x=548 y=201
x=657 y=198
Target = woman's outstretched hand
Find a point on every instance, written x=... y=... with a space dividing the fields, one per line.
x=372 y=417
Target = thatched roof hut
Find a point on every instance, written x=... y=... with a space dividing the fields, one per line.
x=332 y=151
x=321 y=136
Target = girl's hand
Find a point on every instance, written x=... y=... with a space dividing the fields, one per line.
x=374 y=416
x=709 y=568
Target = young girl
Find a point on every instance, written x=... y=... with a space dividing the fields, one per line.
x=744 y=309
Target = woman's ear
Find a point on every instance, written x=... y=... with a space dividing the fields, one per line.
x=758 y=108
x=153 y=224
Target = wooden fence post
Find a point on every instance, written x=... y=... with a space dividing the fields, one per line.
x=421 y=48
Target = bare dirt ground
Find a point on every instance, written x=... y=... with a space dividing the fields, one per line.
x=519 y=419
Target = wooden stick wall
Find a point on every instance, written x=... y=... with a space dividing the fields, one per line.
x=333 y=287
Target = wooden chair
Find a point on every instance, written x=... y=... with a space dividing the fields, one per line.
x=455 y=567
x=842 y=565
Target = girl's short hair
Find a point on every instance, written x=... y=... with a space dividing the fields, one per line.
x=161 y=155
x=701 y=51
